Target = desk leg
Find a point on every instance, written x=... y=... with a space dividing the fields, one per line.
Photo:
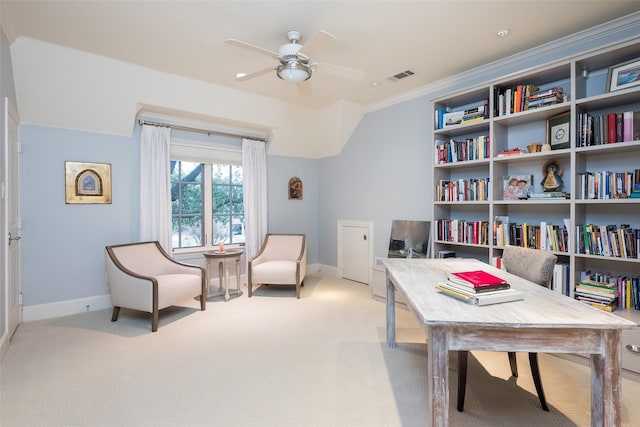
x=391 y=314
x=606 y=402
x=438 y=377
x=220 y=276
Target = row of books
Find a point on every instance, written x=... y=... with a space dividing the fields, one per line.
x=444 y=118
x=543 y=236
x=608 y=128
x=461 y=231
x=525 y=97
x=479 y=288
x=473 y=189
x=458 y=151
x=608 y=240
x=609 y=185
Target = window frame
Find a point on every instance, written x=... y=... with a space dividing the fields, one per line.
x=207 y=154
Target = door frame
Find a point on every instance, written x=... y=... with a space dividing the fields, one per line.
x=9 y=114
x=351 y=223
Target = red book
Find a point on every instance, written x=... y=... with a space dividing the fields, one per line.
x=479 y=278
x=611 y=117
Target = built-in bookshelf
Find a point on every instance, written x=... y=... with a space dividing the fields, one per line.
x=579 y=194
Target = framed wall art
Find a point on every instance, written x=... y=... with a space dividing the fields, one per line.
x=87 y=182
x=559 y=131
x=295 y=188
x=624 y=75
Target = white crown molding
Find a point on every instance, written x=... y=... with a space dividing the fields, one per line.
x=592 y=35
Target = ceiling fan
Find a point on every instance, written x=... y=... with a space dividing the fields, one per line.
x=295 y=64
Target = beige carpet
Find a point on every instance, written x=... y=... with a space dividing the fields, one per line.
x=270 y=360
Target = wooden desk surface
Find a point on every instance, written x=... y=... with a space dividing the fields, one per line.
x=540 y=308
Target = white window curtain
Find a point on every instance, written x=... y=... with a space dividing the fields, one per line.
x=254 y=180
x=155 y=182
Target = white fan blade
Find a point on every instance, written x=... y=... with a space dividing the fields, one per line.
x=320 y=40
x=254 y=48
x=304 y=88
x=242 y=78
x=339 y=71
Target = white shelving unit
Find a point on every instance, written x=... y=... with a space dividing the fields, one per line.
x=584 y=79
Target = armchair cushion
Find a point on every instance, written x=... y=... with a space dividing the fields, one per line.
x=142 y=276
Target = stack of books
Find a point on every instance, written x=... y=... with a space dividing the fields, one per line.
x=543 y=98
x=598 y=294
x=479 y=288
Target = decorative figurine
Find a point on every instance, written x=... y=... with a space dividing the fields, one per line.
x=552 y=172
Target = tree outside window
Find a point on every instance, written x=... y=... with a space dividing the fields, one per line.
x=201 y=221
x=228 y=207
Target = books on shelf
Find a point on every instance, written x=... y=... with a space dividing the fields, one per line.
x=517 y=151
x=543 y=236
x=446 y=254
x=526 y=97
x=453 y=151
x=608 y=240
x=608 y=128
x=462 y=231
x=473 y=189
x=550 y=195
x=606 y=185
x=481 y=299
x=444 y=117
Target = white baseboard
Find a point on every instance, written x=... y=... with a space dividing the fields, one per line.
x=325 y=270
x=65 y=308
x=101 y=302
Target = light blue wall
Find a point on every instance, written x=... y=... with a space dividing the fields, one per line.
x=63 y=245
x=294 y=216
x=382 y=174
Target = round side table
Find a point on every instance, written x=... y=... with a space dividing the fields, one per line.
x=225 y=261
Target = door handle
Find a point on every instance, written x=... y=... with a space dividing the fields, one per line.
x=13 y=238
x=364 y=237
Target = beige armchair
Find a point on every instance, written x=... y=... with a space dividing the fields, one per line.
x=282 y=260
x=142 y=276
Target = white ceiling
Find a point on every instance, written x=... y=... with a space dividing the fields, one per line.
x=434 y=39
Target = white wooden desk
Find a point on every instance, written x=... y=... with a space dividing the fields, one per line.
x=543 y=322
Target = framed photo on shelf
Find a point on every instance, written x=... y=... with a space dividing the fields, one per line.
x=559 y=131
x=517 y=187
x=624 y=75
x=87 y=182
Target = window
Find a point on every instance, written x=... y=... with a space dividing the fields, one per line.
x=228 y=207
x=209 y=194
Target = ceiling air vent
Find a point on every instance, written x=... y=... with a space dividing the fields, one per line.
x=401 y=75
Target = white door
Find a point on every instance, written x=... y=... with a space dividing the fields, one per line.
x=355 y=248
x=12 y=206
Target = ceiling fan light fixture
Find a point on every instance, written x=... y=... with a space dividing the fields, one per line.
x=294 y=71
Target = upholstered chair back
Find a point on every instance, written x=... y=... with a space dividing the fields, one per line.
x=531 y=264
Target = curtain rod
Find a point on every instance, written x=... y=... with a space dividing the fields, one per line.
x=190 y=129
